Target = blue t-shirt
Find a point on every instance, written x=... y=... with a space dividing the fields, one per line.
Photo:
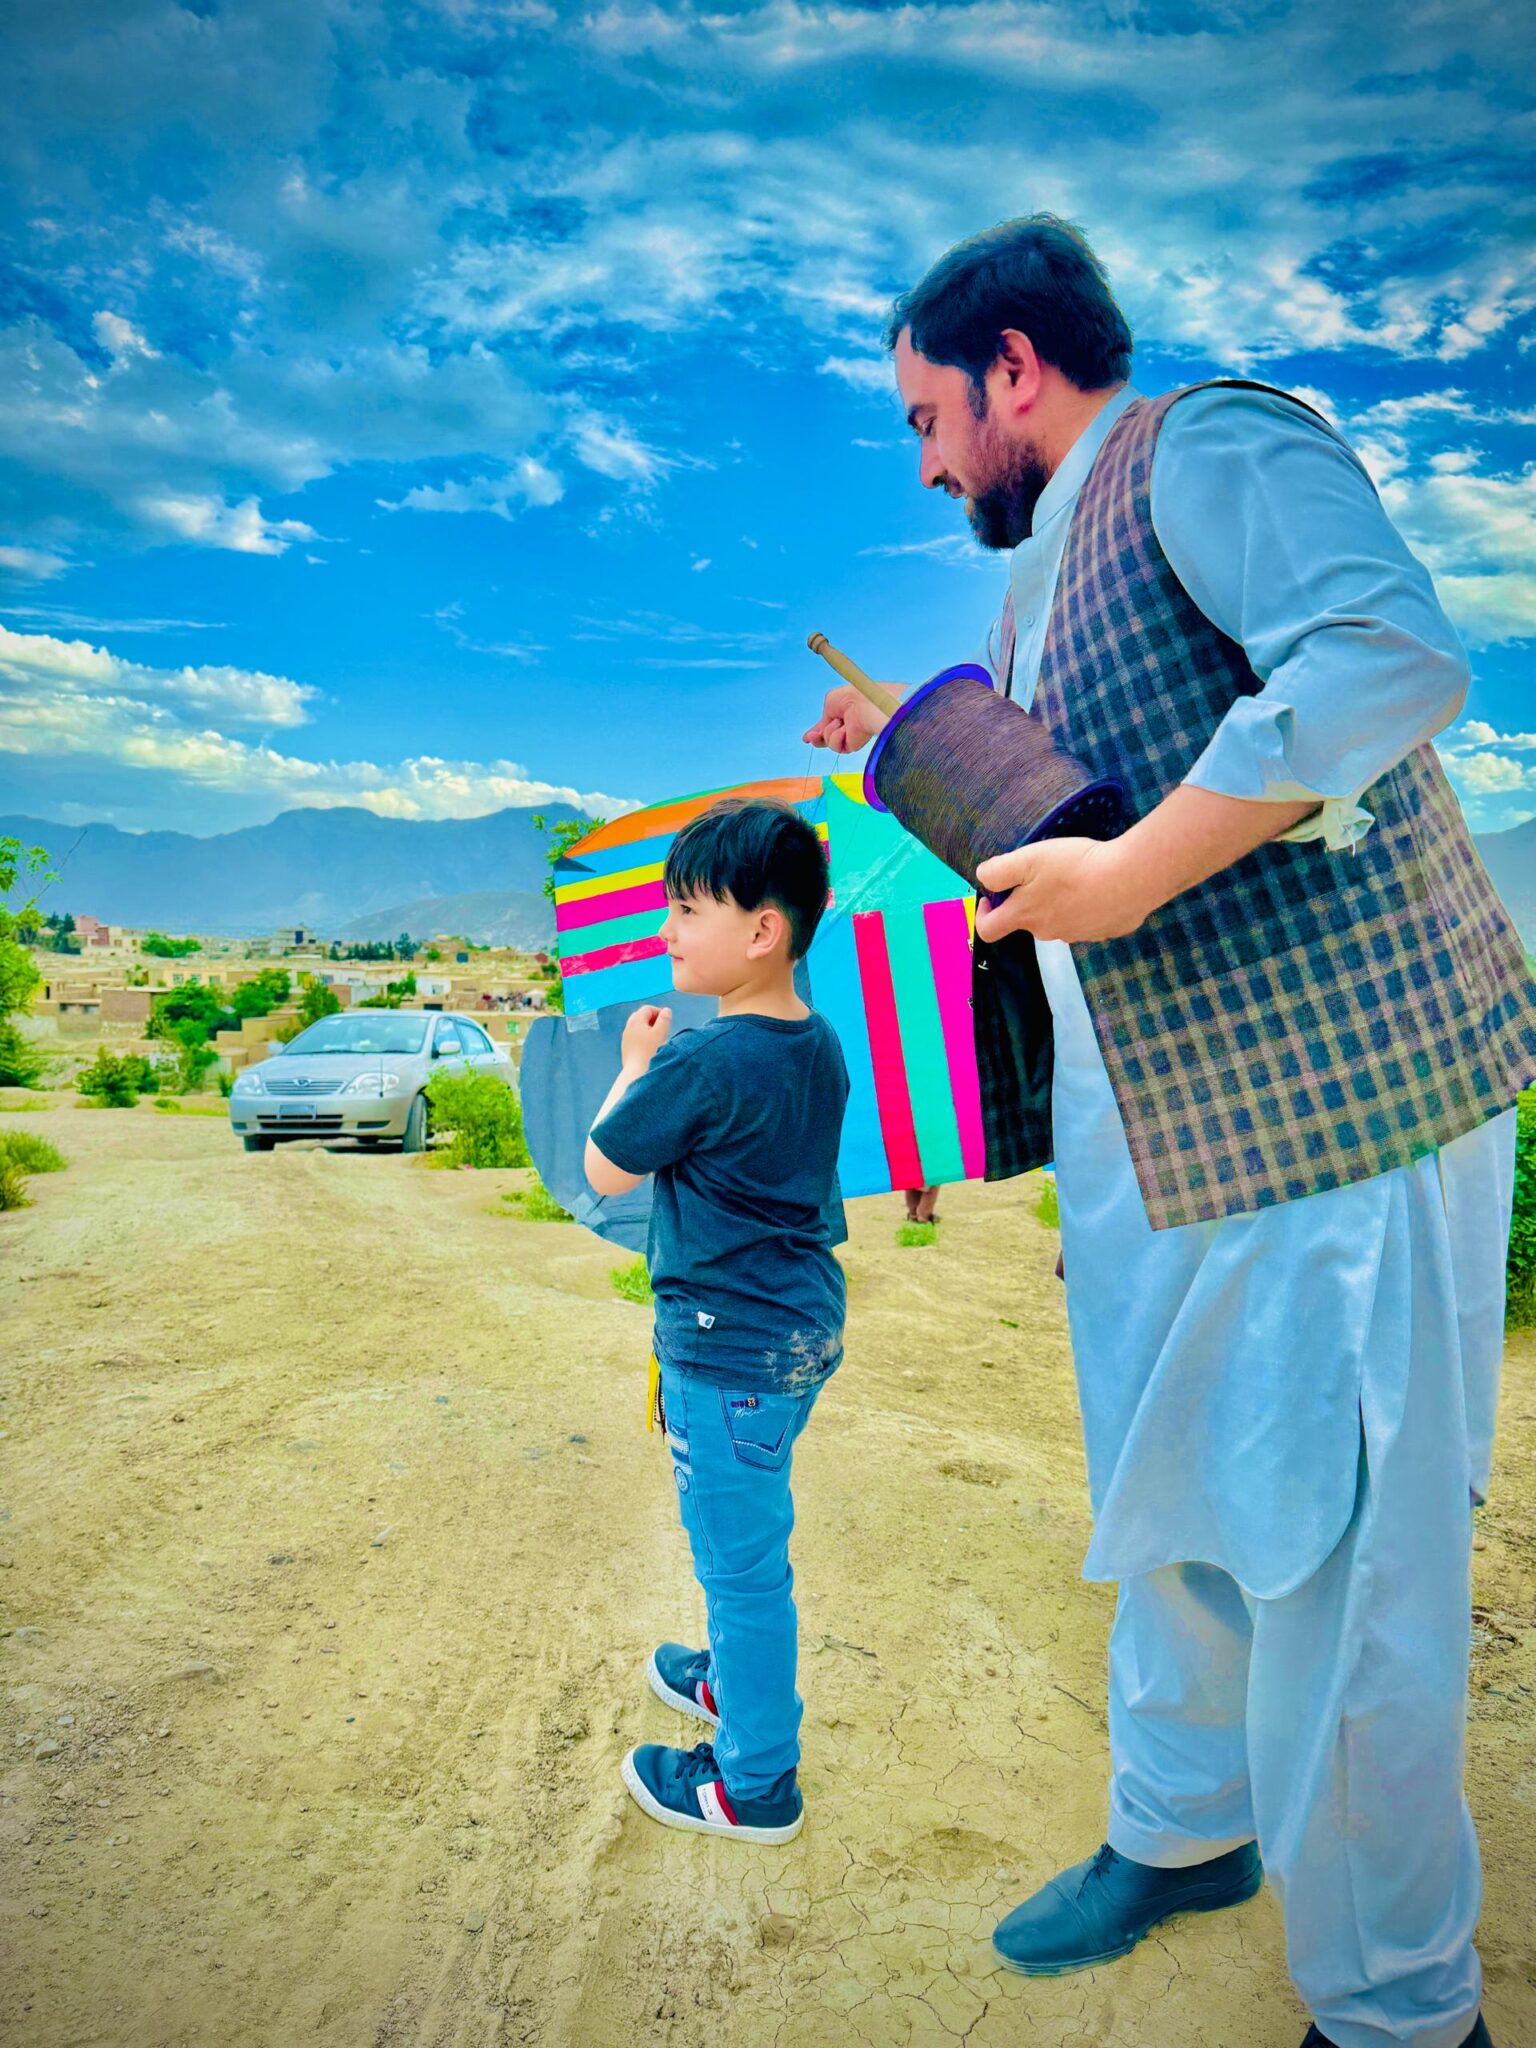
x=740 y=1121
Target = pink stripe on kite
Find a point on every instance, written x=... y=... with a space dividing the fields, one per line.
x=570 y=917
x=949 y=943
x=614 y=956
x=892 y=1096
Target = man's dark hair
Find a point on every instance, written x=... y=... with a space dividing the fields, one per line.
x=754 y=851
x=1037 y=275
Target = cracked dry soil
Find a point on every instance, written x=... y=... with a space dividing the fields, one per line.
x=332 y=1551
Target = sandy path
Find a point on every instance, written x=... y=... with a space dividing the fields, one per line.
x=332 y=1526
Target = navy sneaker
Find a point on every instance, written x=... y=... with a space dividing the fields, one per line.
x=1478 y=2038
x=1100 y=1909
x=681 y=1677
x=682 y=1788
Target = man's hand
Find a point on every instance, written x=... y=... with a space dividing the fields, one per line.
x=848 y=721
x=644 y=1036
x=1063 y=889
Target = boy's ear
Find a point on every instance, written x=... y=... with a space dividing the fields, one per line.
x=770 y=930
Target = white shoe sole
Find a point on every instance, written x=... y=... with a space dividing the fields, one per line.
x=680 y=1700
x=649 y=1803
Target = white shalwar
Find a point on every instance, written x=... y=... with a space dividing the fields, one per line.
x=1286 y=1413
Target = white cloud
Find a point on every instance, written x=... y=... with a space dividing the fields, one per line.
x=36 y=565
x=864 y=373
x=613 y=450
x=64 y=674
x=67 y=699
x=957 y=549
x=526 y=483
x=211 y=523
x=120 y=338
x=1490 y=774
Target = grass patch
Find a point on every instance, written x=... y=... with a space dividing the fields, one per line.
x=535 y=1205
x=171 y=1105
x=908 y=1234
x=30 y=1154
x=1047 y=1208
x=26 y=1108
x=13 y=1187
x=632 y=1281
x=1521 y=1270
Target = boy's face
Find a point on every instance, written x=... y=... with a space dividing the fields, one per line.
x=714 y=946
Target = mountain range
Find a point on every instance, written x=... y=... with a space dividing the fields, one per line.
x=329 y=869
x=351 y=874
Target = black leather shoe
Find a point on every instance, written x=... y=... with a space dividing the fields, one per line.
x=1100 y=1909
x=1478 y=2038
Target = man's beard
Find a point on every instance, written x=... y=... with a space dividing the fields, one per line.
x=1003 y=514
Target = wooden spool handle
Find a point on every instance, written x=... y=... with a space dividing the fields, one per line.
x=882 y=699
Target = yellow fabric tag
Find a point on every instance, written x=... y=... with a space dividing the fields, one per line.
x=652 y=1390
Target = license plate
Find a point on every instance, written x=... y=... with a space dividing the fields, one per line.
x=291 y=1109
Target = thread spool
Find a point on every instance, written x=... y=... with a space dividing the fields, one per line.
x=972 y=774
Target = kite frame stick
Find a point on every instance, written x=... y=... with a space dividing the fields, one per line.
x=884 y=701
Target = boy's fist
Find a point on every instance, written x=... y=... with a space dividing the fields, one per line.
x=644 y=1035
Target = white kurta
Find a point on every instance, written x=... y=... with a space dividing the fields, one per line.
x=1285 y=1412
x=1223 y=1366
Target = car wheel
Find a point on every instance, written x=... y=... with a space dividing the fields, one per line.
x=415 y=1139
x=259 y=1144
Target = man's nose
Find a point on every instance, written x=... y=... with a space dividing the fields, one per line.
x=930 y=470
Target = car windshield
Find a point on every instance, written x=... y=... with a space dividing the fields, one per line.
x=367 y=1031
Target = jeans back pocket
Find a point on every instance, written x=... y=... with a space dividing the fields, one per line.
x=762 y=1427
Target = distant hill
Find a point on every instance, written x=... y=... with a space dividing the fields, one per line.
x=323 y=868
x=491 y=917
x=1510 y=858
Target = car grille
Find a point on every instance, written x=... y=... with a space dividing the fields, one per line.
x=301 y=1126
x=305 y=1084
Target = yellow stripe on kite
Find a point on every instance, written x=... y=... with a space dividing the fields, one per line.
x=603 y=885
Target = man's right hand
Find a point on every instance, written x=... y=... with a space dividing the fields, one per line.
x=848 y=721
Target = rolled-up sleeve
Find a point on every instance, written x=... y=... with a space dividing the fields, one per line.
x=1275 y=530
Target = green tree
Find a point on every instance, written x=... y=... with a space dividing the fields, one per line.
x=318 y=1000
x=405 y=947
x=21 y=1064
x=159 y=947
x=191 y=1014
x=262 y=994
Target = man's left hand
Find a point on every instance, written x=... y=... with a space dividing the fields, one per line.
x=1074 y=889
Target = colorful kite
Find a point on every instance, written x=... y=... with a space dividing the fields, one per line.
x=890 y=969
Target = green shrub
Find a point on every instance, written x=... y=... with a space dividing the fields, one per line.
x=22 y=1063
x=632 y=1281
x=183 y=1071
x=1047 y=1207
x=159 y=947
x=1522 y=1235
x=485 y=1117
x=536 y=1204
x=13 y=1187
x=917 y=1233
x=29 y=1154
x=116 y=1080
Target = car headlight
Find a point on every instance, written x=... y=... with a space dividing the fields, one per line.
x=249 y=1084
x=374 y=1084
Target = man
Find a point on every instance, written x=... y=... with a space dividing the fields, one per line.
x=1287 y=1018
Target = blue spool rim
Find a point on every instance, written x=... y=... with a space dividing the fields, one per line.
x=948 y=675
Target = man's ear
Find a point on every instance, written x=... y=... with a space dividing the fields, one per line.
x=1018 y=368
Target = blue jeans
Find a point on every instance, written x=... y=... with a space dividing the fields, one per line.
x=731 y=1452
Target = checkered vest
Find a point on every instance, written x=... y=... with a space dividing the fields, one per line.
x=1303 y=1019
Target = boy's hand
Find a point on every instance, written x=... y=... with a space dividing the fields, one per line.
x=644 y=1036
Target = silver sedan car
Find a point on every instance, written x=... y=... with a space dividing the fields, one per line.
x=360 y=1074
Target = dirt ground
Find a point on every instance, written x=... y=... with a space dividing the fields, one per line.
x=333 y=1546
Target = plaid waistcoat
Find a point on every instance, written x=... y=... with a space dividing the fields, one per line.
x=1302 y=1020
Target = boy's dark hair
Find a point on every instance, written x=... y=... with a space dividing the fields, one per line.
x=1038 y=275
x=754 y=851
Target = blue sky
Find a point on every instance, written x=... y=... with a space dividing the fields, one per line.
x=436 y=407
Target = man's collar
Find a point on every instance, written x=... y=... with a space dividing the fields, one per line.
x=1071 y=472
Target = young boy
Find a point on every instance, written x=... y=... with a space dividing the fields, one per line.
x=739 y=1122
